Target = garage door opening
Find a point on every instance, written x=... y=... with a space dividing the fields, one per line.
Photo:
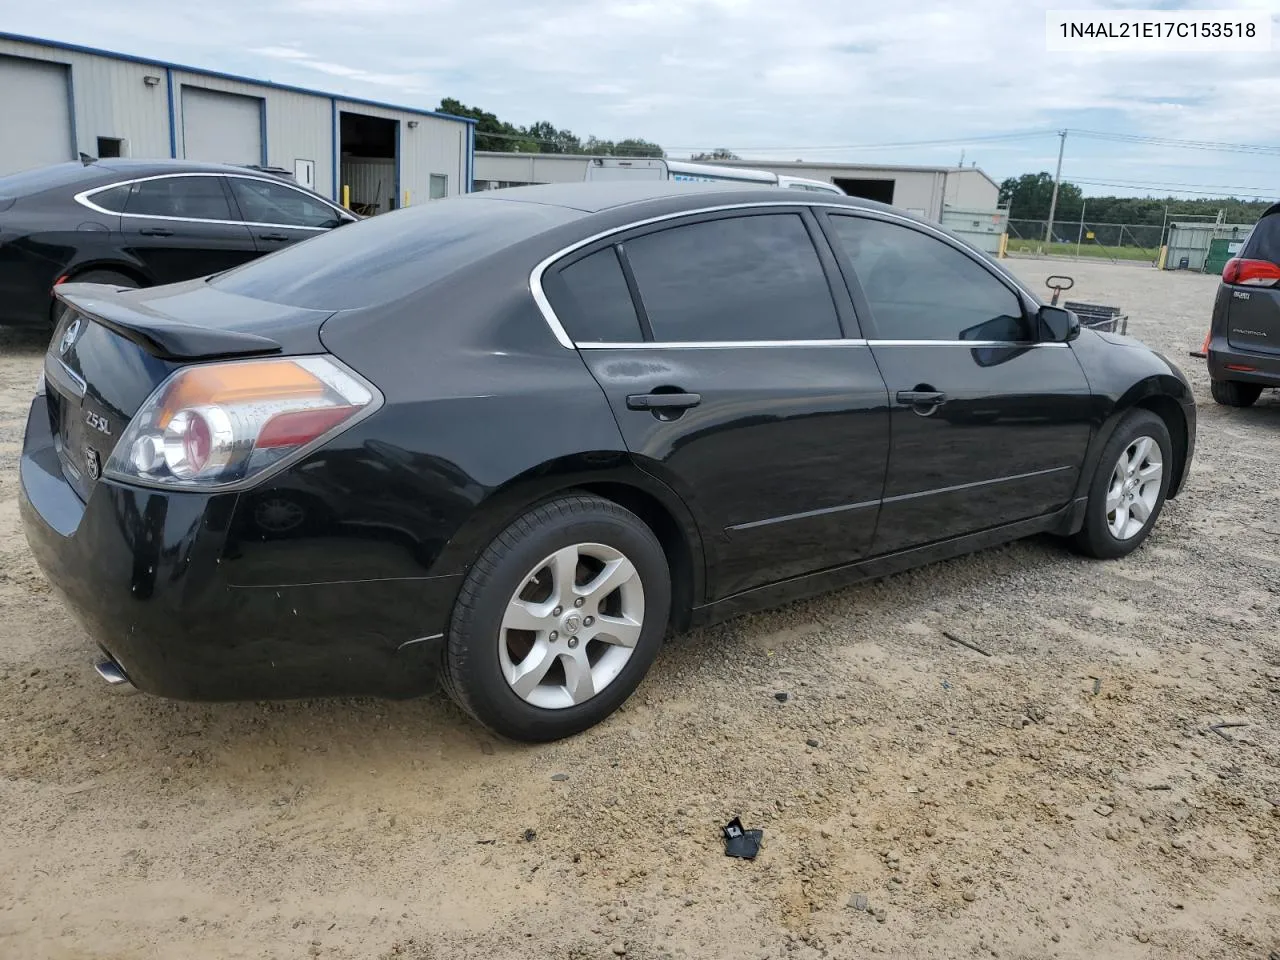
x=880 y=190
x=370 y=167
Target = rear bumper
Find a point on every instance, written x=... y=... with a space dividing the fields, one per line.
x=143 y=572
x=1246 y=366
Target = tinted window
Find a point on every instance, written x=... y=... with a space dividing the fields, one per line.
x=197 y=198
x=1264 y=242
x=261 y=201
x=921 y=288
x=593 y=302
x=113 y=199
x=741 y=278
x=393 y=255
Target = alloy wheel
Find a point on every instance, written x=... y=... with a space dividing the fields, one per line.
x=1134 y=489
x=572 y=626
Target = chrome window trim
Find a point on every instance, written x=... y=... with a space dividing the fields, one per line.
x=84 y=198
x=562 y=335
x=843 y=342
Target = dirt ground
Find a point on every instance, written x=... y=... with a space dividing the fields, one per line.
x=1063 y=797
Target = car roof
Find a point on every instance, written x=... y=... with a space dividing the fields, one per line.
x=599 y=196
x=80 y=175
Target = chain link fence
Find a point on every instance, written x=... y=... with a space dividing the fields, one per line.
x=1080 y=239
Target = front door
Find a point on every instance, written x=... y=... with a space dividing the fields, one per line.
x=989 y=425
x=182 y=227
x=278 y=214
x=730 y=377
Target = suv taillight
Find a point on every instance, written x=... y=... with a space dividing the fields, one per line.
x=1251 y=273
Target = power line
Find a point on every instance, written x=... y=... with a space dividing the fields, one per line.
x=948 y=142
x=1214 y=145
x=1169 y=183
x=1203 y=193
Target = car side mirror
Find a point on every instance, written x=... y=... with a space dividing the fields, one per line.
x=1058 y=325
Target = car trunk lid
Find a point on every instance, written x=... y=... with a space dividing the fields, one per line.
x=1253 y=306
x=112 y=347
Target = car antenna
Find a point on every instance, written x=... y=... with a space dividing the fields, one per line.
x=86 y=159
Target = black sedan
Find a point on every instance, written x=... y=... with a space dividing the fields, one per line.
x=138 y=223
x=519 y=437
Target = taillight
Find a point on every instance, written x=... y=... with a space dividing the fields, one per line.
x=1251 y=273
x=216 y=424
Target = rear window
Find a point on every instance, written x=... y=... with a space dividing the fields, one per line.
x=47 y=178
x=390 y=256
x=1264 y=242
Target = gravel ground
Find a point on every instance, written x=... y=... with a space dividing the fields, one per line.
x=1060 y=798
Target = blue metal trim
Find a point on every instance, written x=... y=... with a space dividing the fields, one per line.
x=471 y=160
x=130 y=58
x=335 y=155
x=71 y=111
x=397 y=203
x=173 y=115
x=262 y=127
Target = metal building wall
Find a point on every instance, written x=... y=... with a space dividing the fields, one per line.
x=111 y=97
x=530 y=168
x=435 y=145
x=296 y=126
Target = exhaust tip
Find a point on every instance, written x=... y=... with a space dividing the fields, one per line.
x=113 y=673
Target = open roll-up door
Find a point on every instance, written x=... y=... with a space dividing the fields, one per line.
x=221 y=127
x=35 y=114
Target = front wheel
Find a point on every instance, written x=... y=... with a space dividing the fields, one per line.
x=558 y=620
x=1129 y=488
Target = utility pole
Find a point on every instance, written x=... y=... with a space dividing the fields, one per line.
x=1057 y=179
x=1080 y=235
x=961 y=157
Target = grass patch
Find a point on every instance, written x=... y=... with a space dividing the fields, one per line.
x=1017 y=245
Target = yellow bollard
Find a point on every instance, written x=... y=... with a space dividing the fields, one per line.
x=346 y=196
x=1004 y=243
x=406 y=198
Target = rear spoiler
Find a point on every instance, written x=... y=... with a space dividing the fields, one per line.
x=161 y=336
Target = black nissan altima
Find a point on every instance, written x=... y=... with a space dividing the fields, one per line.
x=514 y=439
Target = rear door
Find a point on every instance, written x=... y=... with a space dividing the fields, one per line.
x=718 y=341
x=182 y=227
x=277 y=214
x=989 y=425
x=1253 y=308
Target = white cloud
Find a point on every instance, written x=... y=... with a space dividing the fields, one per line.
x=780 y=77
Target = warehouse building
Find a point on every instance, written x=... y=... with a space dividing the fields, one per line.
x=926 y=191
x=58 y=101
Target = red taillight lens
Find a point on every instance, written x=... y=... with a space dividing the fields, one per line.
x=1251 y=273
x=215 y=424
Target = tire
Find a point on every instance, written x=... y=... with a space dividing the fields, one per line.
x=1099 y=537
x=1233 y=393
x=515 y=581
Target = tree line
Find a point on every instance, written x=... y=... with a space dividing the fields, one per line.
x=1029 y=197
x=543 y=136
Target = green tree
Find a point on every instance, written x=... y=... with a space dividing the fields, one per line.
x=491 y=133
x=719 y=153
x=1030 y=195
x=551 y=139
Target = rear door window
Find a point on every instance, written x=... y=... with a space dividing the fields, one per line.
x=1264 y=242
x=593 y=302
x=189 y=198
x=113 y=199
x=745 y=278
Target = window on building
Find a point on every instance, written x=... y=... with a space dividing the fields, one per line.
x=439 y=186
x=734 y=279
x=111 y=147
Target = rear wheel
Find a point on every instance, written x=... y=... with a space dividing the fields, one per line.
x=558 y=620
x=1233 y=393
x=109 y=277
x=1129 y=488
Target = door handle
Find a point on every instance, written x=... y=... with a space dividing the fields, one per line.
x=155 y=232
x=921 y=398
x=272 y=236
x=663 y=401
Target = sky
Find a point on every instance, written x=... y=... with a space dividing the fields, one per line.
x=840 y=80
